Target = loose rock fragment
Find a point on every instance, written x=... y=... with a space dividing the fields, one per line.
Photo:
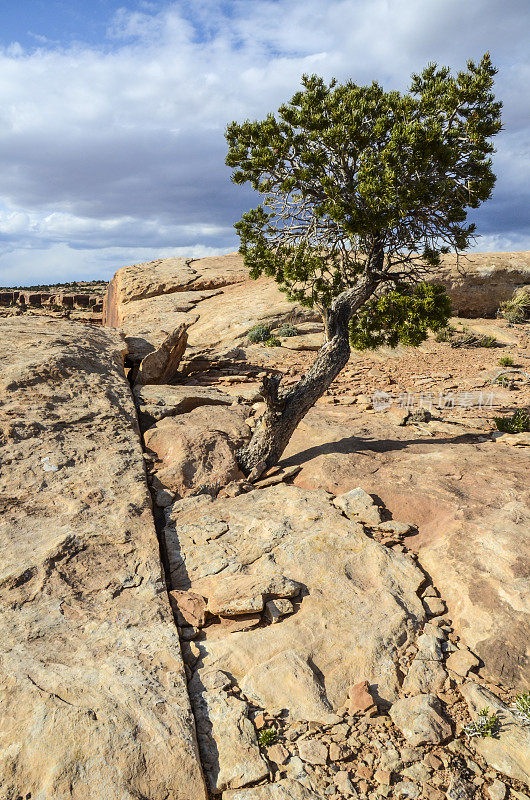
x=460 y=789
x=188 y=607
x=462 y=661
x=359 y=698
x=420 y=719
x=312 y=751
x=424 y=677
x=275 y=610
x=245 y=594
x=162 y=364
x=395 y=527
x=497 y=790
x=344 y=784
x=434 y=606
x=357 y=504
x=429 y=647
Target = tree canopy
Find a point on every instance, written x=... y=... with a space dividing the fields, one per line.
x=354 y=178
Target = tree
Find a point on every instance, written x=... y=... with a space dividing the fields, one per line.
x=362 y=190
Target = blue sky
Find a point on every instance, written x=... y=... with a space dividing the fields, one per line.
x=112 y=114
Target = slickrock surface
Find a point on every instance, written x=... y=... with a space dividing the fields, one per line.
x=470 y=500
x=389 y=578
x=355 y=606
x=169 y=275
x=92 y=685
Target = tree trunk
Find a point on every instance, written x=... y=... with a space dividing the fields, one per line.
x=286 y=409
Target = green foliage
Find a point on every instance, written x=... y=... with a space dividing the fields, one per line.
x=506 y=361
x=259 y=333
x=286 y=330
x=357 y=182
x=514 y=315
x=517 y=310
x=485 y=725
x=402 y=316
x=504 y=381
x=519 y=422
x=266 y=737
x=521 y=706
x=487 y=341
x=465 y=338
x=445 y=334
x=272 y=342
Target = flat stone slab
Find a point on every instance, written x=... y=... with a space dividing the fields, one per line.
x=92 y=685
x=157 y=402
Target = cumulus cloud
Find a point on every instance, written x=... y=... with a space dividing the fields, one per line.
x=115 y=153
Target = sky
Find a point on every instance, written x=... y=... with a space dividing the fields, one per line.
x=112 y=114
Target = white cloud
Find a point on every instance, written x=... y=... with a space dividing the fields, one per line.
x=111 y=149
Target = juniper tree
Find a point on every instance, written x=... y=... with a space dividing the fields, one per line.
x=362 y=191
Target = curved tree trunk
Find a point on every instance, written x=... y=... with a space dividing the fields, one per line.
x=286 y=409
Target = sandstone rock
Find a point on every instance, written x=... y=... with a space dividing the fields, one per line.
x=460 y=789
x=306 y=341
x=92 y=684
x=359 y=698
x=278 y=754
x=161 y=366
x=312 y=751
x=152 y=331
x=509 y=750
x=513 y=439
x=197 y=449
x=462 y=661
x=471 y=508
x=497 y=790
x=434 y=606
x=420 y=720
x=286 y=789
x=344 y=784
x=225 y=320
x=358 y=609
x=429 y=647
x=424 y=677
x=406 y=789
x=480 y=283
x=227 y=738
x=390 y=759
x=281 y=475
x=157 y=402
x=480 y=570
x=246 y=594
x=339 y=752
x=398 y=528
x=167 y=276
x=275 y=610
x=358 y=505
x=243 y=622
x=417 y=772
x=287 y=681
x=188 y=607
